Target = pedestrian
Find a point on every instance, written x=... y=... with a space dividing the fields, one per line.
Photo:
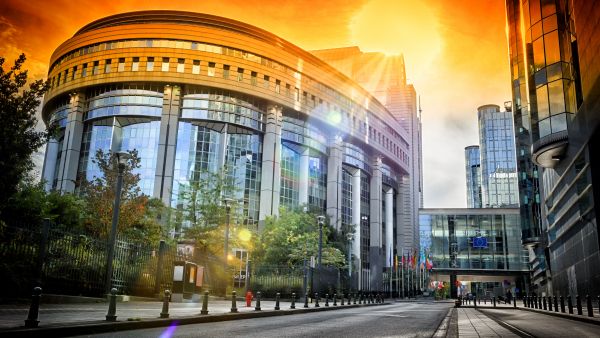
x=249 y=297
x=508 y=297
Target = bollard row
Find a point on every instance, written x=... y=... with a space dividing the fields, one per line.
x=557 y=303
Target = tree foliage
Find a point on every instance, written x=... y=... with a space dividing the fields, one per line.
x=294 y=236
x=19 y=138
x=137 y=216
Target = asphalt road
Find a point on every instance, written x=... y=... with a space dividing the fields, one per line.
x=408 y=319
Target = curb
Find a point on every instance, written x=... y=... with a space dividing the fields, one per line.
x=582 y=318
x=103 y=327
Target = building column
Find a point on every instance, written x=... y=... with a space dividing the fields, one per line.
x=389 y=227
x=167 y=142
x=270 y=182
x=406 y=227
x=375 y=254
x=50 y=163
x=303 y=178
x=69 y=160
x=356 y=219
x=399 y=219
x=334 y=182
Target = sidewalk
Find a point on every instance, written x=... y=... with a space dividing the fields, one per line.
x=472 y=323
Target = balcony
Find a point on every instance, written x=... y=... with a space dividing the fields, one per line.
x=549 y=150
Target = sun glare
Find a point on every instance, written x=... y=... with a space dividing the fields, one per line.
x=394 y=27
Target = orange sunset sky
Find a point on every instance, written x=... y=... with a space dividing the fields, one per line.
x=455 y=53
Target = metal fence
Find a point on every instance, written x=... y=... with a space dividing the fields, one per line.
x=72 y=263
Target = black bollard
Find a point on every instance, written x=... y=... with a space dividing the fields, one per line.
x=354 y=299
x=590 y=309
x=257 y=305
x=570 y=304
x=598 y=302
x=306 y=300
x=233 y=302
x=112 y=306
x=494 y=300
x=535 y=301
x=204 y=310
x=524 y=301
x=335 y=299
x=359 y=298
x=540 y=302
x=475 y=302
x=555 y=304
x=479 y=300
x=277 y=295
x=550 y=303
x=34 y=308
x=342 y=300
x=515 y=302
x=562 y=304
x=317 y=300
x=544 y=302
x=293 y=305
x=349 y=298
x=165 y=309
x=326 y=299
x=579 y=309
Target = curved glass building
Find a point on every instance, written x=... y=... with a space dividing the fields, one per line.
x=195 y=93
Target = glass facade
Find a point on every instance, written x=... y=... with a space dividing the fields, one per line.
x=498 y=162
x=317 y=187
x=473 y=171
x=290 y=172
x=471 y=239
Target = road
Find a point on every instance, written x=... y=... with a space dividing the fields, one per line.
x=407 y=319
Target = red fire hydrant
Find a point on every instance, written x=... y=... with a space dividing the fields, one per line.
x=249 y=297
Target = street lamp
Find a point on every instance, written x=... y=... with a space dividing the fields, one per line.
x=321 y=220
x=350 y=236
x=227 y=203
x=121 y=159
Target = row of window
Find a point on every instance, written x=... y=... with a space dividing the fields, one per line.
x=211 y=48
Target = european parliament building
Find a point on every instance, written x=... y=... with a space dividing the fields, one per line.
x=194 y=92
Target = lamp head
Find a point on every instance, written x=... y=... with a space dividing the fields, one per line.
x=227 y=202
x=321 y=219
x=122 y=157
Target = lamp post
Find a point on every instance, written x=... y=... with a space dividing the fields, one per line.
x=122 y=158
x=349 y=237
x=227 y=203
x=321 y=220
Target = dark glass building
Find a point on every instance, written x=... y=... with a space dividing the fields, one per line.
x=473 y=176
x=553 y=46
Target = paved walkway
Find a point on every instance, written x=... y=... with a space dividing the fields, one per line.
x=472 y=323
x=12 y=316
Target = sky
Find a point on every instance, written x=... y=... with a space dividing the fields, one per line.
x=455 y=52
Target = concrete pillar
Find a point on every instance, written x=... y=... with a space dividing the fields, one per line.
x=167 y=142
x=334 y=181
x=270 y=182
x=375 y=254
x=389 y=227
x=69 y=161
x=303 y=178
x=50 y=163
x=356 y=220
x=398 y=225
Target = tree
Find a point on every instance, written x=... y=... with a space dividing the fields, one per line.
x=137 y=217
x=17 y=115
x=294 y=236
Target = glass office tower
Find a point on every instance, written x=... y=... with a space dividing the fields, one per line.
x=473 y=171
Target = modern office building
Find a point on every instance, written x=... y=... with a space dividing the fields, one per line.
x=497 y=155
x=195 y=92
x=480 y=247
x=385 y=77
x=473 y=176
x=554 y=59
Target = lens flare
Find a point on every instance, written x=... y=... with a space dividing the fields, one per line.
x=168 y=333
x=244 y=235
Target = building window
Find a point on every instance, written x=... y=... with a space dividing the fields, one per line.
x=66 y=76
x=135 y=65
x=180 y=65
x=96 y=68
x=277 y=86
x=121 y=65
x=107 y=66
x=240 y=75
x=226 y=71
x=196 y=67
x=165 y=65
x=211 y=69
x=74 y=73
x=150 y=64
x=253 y=80
x=84 y=70
x=58 y=80
x=266 y=82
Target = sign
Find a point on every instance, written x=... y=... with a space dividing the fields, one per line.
x=480 y=242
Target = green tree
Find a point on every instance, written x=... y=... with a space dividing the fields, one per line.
x=294 y=236
x=19 y=138
x=138 y=213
